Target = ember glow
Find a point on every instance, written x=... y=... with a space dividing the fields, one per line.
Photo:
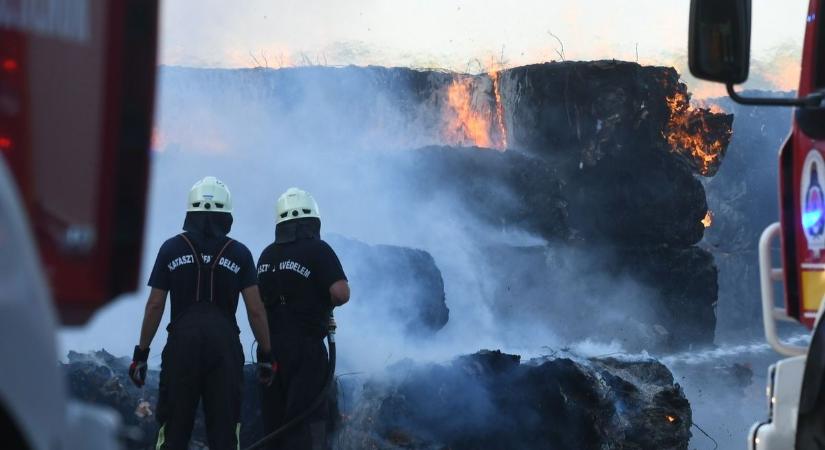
x=670 y=418
x=708 y=220
x=471 y=119
x=688 y=133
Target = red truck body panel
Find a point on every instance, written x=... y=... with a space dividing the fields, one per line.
x=78 y=143
x=802 y=181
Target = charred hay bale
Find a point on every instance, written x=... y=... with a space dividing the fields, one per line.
x=489 y=400
x=647 y=201
x=649 y=399
x=586 y=109
x=509 y=190
x=685 y=282
x=403 y=283
x=654 y=299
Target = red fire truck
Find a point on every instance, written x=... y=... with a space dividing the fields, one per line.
x=76 y=101
x=719 y=50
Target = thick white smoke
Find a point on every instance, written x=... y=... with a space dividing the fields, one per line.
x=242 y=128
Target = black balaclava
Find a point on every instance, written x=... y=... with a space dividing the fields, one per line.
x=207 y=224
x=297 y=229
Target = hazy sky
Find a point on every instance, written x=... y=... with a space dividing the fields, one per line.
x=460 y=34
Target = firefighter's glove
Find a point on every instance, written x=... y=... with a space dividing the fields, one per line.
x=137 y=371
x=267 y=367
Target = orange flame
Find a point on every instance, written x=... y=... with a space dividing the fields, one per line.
x=670 y=418
x=467 y=124
x=688 y=131
x=708 y=219
x=471 y=120
x=502 y=130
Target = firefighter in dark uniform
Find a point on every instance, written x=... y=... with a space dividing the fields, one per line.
x=204 y=271
x=301 y=280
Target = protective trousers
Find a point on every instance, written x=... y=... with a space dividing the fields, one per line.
x=302 y=372
x=202 y=361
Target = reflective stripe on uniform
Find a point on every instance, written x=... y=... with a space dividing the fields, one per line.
x=161 y=438
x=238 y=435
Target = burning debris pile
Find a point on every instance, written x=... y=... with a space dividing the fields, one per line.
x=488 y=400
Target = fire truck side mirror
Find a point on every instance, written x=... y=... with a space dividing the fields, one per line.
x=719 y=40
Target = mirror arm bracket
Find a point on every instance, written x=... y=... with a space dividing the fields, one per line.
x=813 y=100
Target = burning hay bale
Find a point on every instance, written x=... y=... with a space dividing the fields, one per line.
x=490 y=400
x=586 y=111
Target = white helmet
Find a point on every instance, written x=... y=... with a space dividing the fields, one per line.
x=209 y=194
x=295 y=204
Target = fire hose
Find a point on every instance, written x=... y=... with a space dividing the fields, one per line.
x=295 y=421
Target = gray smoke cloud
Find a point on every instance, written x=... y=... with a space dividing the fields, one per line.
x=348 y=142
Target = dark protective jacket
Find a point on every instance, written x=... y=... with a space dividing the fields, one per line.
x=294 y=276
x=203 y=358
x=197 y=269
x=294 y=279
